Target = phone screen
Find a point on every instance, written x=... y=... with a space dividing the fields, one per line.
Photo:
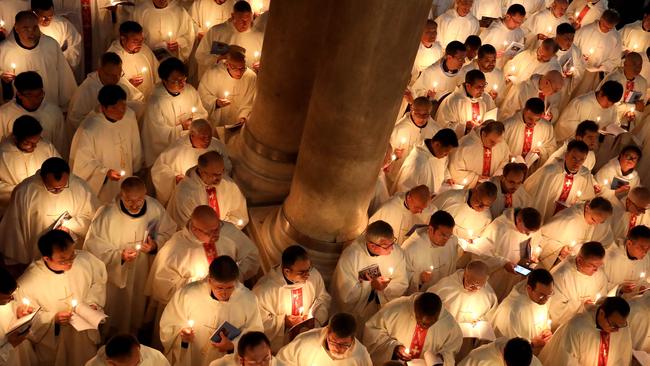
x=522 y=270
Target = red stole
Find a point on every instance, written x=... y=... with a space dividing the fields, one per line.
x=212 y=199
x=564 y=195
x=582 y=14
x=507 y=198
x=629 y=88
x=87 y=31
x=476 y=116
x=296 y=301
x=417 y=342
x=210 y=250
x=603 y=349
x=542 y=96
x=487 y=161
x=632 y=223
x=528 y=140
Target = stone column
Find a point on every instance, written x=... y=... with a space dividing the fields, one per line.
x=371 y=46
x=265 y=151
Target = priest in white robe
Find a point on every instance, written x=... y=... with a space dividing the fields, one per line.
x=207 y=184
x=466 y=294
x=457 y=24
x=587 y=132
x=200 y=308
x=30 y=100
x=431 y=252
x=22 y=155
x=542 y=25
x=524 y=313
x=252 y=348
x=579 y=283
x=487 y=9
x=469 y=208
x=406 y=211
x=125 y=234
x=28 y=50
x=126 y=349
x=585 y=12
x=503 y=32
x=291 y=293
x=227 y=91
x=15 y=350
x=546 y=87
x=639 y=325
x=571 y=59
x=429 y=51
x=139 y=64
x=62 y=31
x=62 y=280
x=409 y=327
x=167 y=27
x=502 y=352
x=237 y=31
x=172 y=164
x=527 y=63
x=485 y=62
x=206 y=13
x=481 y=155
x=106 y=147
x=619 y=173
x=511 y=239
x=442 y=77
x=627 y=265
x=37 y=204
x=8 y=11
x=631 y=211
x=370 y=272
x=170 y=110
x=635 y=36
x=569 y=229
x=465 y=108
x=428 y=163
x=528 y=135
x=329 y=346
x=84 y=102
x=561 y=183
x=507 y=185
x=597 y=337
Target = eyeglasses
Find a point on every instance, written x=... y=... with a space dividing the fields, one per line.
x=66 y=261
x=337 y=344
x=614 y=325
x=263 y=362
x=231 y=67
x=57 y=189
x=179 y=82
x=638 y=208
x=208 y=232
x=386 y=247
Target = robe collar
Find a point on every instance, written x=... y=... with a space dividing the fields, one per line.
x=22 y=45
x=414 y=124
x=51 y=270
x=445 y=70
x=142 y=212
x=173 y=95
x=19 y=103
x=427 y=144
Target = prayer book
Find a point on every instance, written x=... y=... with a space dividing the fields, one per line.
x=619 y=182
x=228 y=330
x=60 y=220
x=491 y=114
x=633 y=97
x=84 y=317
x=428 y=359
x=613 y=129
x=119 y=2
x=22 y=325
x=513 y=50
x=566 y=68
x=161 y=53
x=479 y=329
x=372 y=272
x=301 y=327
x=485 y=22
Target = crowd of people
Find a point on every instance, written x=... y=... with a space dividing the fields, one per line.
x=508 y=224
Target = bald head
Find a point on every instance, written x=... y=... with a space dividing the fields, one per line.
x=478 y=268
x=632 y=64
x=418 y=198
x=205 y=215
x=551 y=82
x=200 y=134
x=640 y=196
x=555 y=77
x=475 y=276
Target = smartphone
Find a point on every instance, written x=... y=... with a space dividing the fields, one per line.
x=522 y=270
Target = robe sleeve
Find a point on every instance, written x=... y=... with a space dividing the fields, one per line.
x=80 y=106
x=247 y=97
x=248 y=256
x=166 y=228
x=85 y=211
x=452 y=343
x=157 y=132
x=67 y=83
x=206 y=90
x=183 y=204
x=422 y=85
x=99 y=244
x=171 y=324
x=163 y=177
x=84 y=161
x=186 y=41
x=321 y=307
x=399 y=281
x=166 y=276
x=13 y=227
x=73 y=39
x=202 y=55
x=289 y=354
x=6 y=352
x=377 y=337
x=459 y=169
x=268 y=303
x=137 y=157
x=43 y=321
x=352 y=294
x=238 y=209
x=565 y=127
x=97 y=292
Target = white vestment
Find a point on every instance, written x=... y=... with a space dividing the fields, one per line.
x=406 y=134
x=487 y=8
x=601 y=52
x=572 y=288
x=191 y=192
x=463 y=305
x=570 y=228
x=54 y=292
x=177 y=159
x=112 y=231
x=560 y=153
x=639 y=85
x=544 y=187
x=452 y=27
x=437 y=79
x=422 y=167
x=519 y=316
x=215 y=82
x=467 y=161
x=634 y=38
x=48 y=115
x=640 y=323
x=141 y=64
x=33 y=210
x=307 y=349
x=171 y=23
x=100 y=145
x=357 y=297
x=251 y=40
x=421 y=255
x=8 y=11
x=543 y=138
x=84 y=101
x=612 y=170
x=47 y=60
x=233 y=360
x=578 y=343
x=594 y=11
x=274 y=298
x=68 y=38
x=395 y=324
x=620 y=267
x=163 y=116
x=526 y=64
x=491 y=354
x=426 y=57
x=21 y=355
x=582 y=108
x=543 y=22
x=196 y=302
x=571 y=57
x=397 y=215
x=621 y=225
x=148 y=357
x=456 y=110
x=517 y=96
x=499 y=36
x=495 y=79
x=206 y=13
x=469 y=222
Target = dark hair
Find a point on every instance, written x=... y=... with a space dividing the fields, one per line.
x=130 y=27
x=55 y=166
x=577 y=145
x=224 y=269
x=613 y=90
x=564 y=28
x=586 y=126
x=7 y=283
x=592 y=249
x=251 y=340
x=615 y=304
x=110 y=58
x=491 y=126
x=441 y=218
x=454 y=47
x=120 y=347
x=535 y=105
x=631 y=148
x=25 y=15
x=110 y=95
x=550 y=43
x=42 y=4
x=487 y=188
x=28 y=80
x=242 y=7
x=292 y=254
x=473 y=76
x=486 y=49
x=539 y=275
x=531 y=218
x=473 y=41
x=170 y=65
x=26 y=126
x=515 y=168
x=611 y=16
x=428 y=304
x=343 y=325
x=516 y=9
x=639 y=232
x=446 y=137
x=601 y=204
x=58 y=239
x=518 y=352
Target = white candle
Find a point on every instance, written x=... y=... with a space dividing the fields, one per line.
x=169 y=34
x=138 y=247
x=26 y=301
x=13 y=68
x=470 y=233
x=74 y=304
x=576 y=14
x=407 y=351
x=403 y=140
x=464 y=181
x=598 y=296
x=190 y=323
x=435 y=84
x=122 y=173
x=390 y=271
x=193 y=110
x=256 y=55
x=642 y=275
x=512 y=159
x=549 y=322
x=226 y=94
x=494 y=87
x=393 y=157
x=240 y=222
x=301 y=310
x=208 y=24
x=143 y=70
x=591 y=51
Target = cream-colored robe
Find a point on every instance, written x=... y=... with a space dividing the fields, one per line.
x=620 y=268
x=215 y=82
x=456 y=110
x=466 y=162
x=208 y=13
x=499 y=36
x=596 y=9
x=525 y=65
x=452 y=27
x=307 y=349
x=519 y=316
x=560 y=153
x=602 y=53
x=8 y=11
x=233 y=360
x=639 y=323
x=467 y=219
x=608 y=172
x=543 y=136
x=422 y=167
x=621 y=224
x=68 y=38
x=148 y=357
x=421 y=254
x=491 y=354
x=640 y=86
x=405 y=136
x=634 y=38
x=425 y=57
x=495 y=79
x=543 y=22
x=463 y=305
x=143 y=63
x=395 y=213
x=519 y=94
x=437 y=79
x=23 y=354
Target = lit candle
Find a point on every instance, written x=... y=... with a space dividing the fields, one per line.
x=143 y=70
x=549 y=322
x=226 y=94
x=138 y=247
x=464 y=181
x=598 y=119
x=539 y=144
x=193 y=110
x=549 y=30
x=208 y=24
x=301 y=310
x=403 y=140
x=573 y=243
x=576 y=14
x=470 y=233
x=13 y=68
x=495 y=87
x=579 y=193
x=431 y=268
x=435 y=84
x=512 y=159
x=605 y=182
x=598 y=296
x=190 y=324
x=512 y=68
x=256 y=55
x=538 y=250
x=390 y=271
x=2 y=23
x=240 y=222
x=632 y=109
x=505 y=43
x=636 y=46
x=642 y=275
x=407 y=351
x=591 y=51
x=572 y=69
x=122 y=173
x=74 y=304
x=169 y=34
x=26 y=301
x=393 y=157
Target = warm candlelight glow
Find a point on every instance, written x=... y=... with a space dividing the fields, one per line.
x=539 y=144
x=122 y=173
x=512 y=68
x=505 y=43
x=513 y=159
x=13 y=67
x=144 y=69
x=549 y=29
x=598 y=296
x=169 y=34
x=495 y=87
x=240 y=222
x=605 y=182
x=208 y=24
x=193 y=109
x=435 y=84
x=74 y=303
x=549 y=322
x=2 y=23
x=407 y=351
x=403 y=140
x=138 y=247
x=470 y=233
x=576 y=14
x=257 y=54
x=591 y=51
x=301 y=310
x=431 y=268
x=642 y=275
x=226 y=94
x=573 y=243
x=190 y=323
x=393 y=157
x=598 y=119
x=390 y=271
x=26 y=301
x=464 y=181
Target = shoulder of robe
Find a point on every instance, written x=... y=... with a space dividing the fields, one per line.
x=89 y=258
x=78 y=183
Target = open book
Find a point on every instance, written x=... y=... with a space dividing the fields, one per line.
x=491 y=114
x=84 y=317
x=480 y=329
x=428 y=359
x=63 y=217
x=514 y=49
x=119 y=2
x=228 y=330
x=485 y=22
x=633 y=97
x=612 y=129
x=303 y=326
x=22 y=325
x=566 y=68
x=372 y=272
x=618 y=183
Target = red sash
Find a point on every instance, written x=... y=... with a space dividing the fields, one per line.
x=87 y=30
x=210 y=250
x=487 y=161
x=603 y=349
x=629 y=88
x=582 y=14
x=542 y=96
x=212 y=199
x=476 y=117
x=417 y=342
x=564 y=195
x=508 y=200
x=528 y=140
x=296 y=301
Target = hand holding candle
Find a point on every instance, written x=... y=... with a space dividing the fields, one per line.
x=187 y=334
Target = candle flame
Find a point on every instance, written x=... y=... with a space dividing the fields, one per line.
x=495 y=87
x=464 y=181
x=13 y=65
x=539 y=144
x=207 y=24
x=393 y=157
x=573 y=243
x=470 y=232
x=26 y=301
x=591 y=51
x=122 y=173
x=169 y=34
x=642 y=275
x=240 y=222
x=193 y=109
x=74 y=303
x=257 y=54
x=598 y=296
x=301 y=310
x=138 y=247
x=407 y=351
x=605 y=182
x=431 y=268
x=226 y=94
x=190 y=323
x=391 y=271
x=579 y=193
x=144 y=69
x=435 y=84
